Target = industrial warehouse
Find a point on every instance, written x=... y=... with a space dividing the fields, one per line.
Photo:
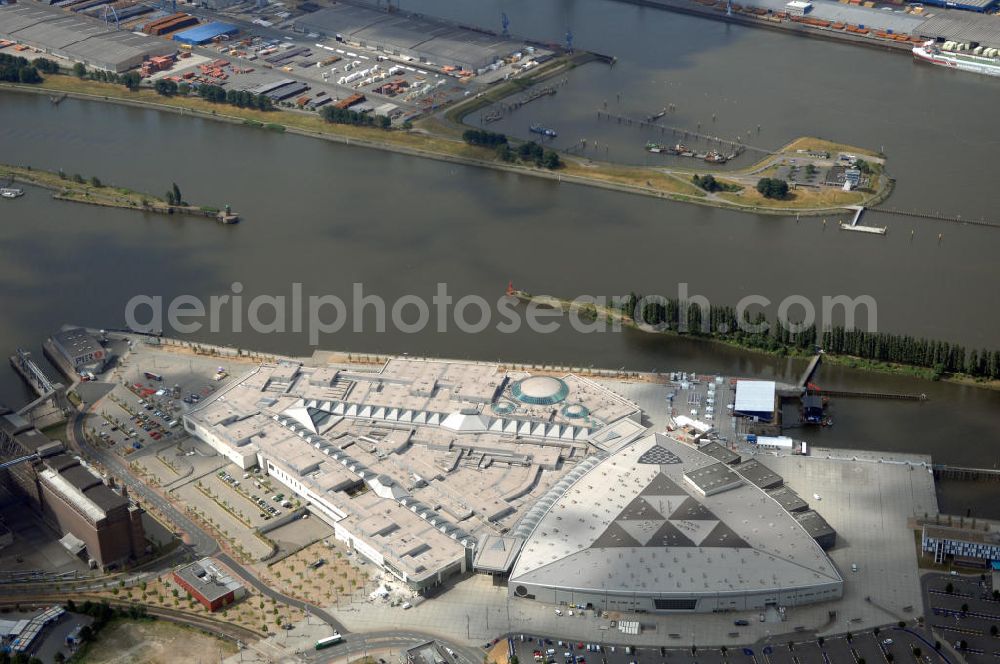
x=660 y=526
x=77 y=37
x=422 y=39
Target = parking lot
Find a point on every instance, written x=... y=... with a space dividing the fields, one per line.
x=141 y=406
x=962 y=610
x=890 y=644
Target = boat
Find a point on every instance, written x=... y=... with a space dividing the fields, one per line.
x=544 y=131
x=716 y=157
x=11 y=192
x=956 y=56
x=656 y=147
x=657 y=116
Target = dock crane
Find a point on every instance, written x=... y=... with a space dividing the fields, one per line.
x=505 y=23
x=111 y=13
x=569 y=40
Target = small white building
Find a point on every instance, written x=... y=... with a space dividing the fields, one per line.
x=798 y=7
x=775 y=443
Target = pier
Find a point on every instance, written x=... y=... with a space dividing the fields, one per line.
x=23 y=363
x=852 y=394
x=530 y=96
x=854 y=226
x=945 y=472
x=810 y=370
x=736 y=146
x=958 y=219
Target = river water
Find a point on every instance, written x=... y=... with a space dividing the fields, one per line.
x=329 y=216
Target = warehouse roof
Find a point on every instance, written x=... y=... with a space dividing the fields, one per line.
x=205 y=32
x=435 y=39
x=962 y=26
x=81 y=38
x=755 y=396
x=208 y=579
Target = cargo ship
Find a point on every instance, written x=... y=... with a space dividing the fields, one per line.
x=957 y=56
x=544 y=131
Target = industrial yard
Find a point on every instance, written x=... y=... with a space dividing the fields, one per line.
x=352 y=54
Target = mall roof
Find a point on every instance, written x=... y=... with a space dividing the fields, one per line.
x=760 y=475
x=720 y=452
x=629 y=526
x=496 y=553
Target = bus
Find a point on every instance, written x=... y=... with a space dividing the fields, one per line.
x=329 y=641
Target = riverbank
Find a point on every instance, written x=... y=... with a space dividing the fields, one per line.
x=803 y=26
x=431 y=140
x=91 y=191
x=596 y=312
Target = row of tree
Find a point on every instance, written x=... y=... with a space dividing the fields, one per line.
x=483 y=138
x=131 y=80
x=755 y=331
x=239 y=98
x=15 y=69
x=349 y=117
x=711 y=185
x=530 y=153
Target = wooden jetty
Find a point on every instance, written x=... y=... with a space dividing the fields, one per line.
x=644 y=124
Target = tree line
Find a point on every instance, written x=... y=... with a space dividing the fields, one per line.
x=131 y=80
x=239 y=98
x=348 y=117
x=483 y=138
x=15 y=69
x=754 y=331
x=530 y=152
x=711 y=185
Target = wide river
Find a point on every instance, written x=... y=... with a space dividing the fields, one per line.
x=329 y=216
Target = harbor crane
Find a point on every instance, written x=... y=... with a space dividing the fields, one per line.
x=111 y=13
x=505 y=23
x=569 y=40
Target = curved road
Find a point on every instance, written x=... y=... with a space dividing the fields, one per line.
x=362 y=644
x=202 y=543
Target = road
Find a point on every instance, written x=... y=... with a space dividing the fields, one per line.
x=397 y=640
x=201 y=543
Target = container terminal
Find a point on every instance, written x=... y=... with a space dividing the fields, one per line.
x=666 y=498
x=891 y=25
